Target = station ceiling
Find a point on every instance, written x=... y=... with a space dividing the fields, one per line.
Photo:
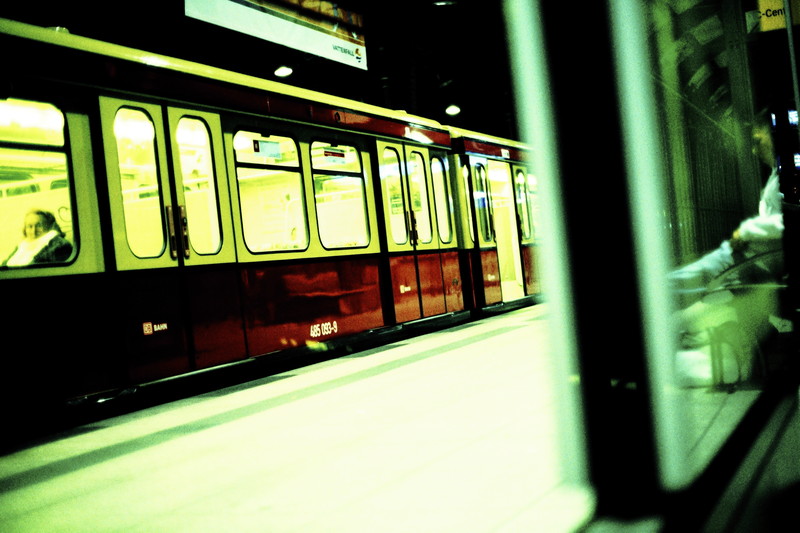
x=422 y=54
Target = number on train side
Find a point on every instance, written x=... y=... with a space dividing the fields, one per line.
x=323 y=328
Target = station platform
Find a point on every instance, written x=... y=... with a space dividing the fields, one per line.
x=453 y=431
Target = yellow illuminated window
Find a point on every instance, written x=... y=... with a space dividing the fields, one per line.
x=35 y=187
x=441 y=195
x=270 y=192
x=523 y=205
x=481 y=194
x=199 y=185
x=340 y=196
x=138 y=173
x=392 y=186
x=465 y=177
x=418 y=189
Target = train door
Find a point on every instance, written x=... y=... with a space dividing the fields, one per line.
x=503 y=211
x=525 y=196
x=170 y=224
x=484 y=262
x=412 y=238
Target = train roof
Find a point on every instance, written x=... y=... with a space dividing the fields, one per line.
x=64 y=39
x=480 y=143
x=342 y=111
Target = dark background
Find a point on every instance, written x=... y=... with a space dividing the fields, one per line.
x=422 y=54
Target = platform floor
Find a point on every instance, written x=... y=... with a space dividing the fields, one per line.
x=448 y=432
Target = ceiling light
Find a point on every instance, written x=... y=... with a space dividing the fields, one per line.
x=452 y=110
x=283 y=71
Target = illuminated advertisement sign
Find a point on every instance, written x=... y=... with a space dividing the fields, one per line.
x=324 y=30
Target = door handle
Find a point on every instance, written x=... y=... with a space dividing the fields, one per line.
x=173 y=240
x=184 y=231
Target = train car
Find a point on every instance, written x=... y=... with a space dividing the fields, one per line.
x=214 y=218
x=498 y=194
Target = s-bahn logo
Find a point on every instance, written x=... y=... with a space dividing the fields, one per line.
x=148 y=328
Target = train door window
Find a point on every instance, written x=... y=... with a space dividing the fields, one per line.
x=418 y=191
x=139 y=182
x=394 y=203
x=482 y=204
x=270 y=192
x=340 y=196
x=523 y=205
x=441 y=196
x=465 y=176
x=199 y=185
x=35 y=193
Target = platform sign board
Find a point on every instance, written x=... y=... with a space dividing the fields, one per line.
x=771 y=14
x=324 y=29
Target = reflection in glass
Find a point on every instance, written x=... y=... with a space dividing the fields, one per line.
x=199 y=185
x=724 y=217
x=138 y=172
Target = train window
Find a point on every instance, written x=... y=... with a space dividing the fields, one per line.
x=141 y=195
x=441 y=196
x=270 y=192
x=418 y=190
x=464 y=198
x=481 y=194
x=35 y=192
x=340 y=196
x=199 y=185
x=393 y=195
x=523 y=205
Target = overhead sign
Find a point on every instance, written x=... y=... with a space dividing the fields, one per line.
x=772 y=14
x=324 y=30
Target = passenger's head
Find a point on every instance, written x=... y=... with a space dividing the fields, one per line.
x=37 y=223
x=763 y=145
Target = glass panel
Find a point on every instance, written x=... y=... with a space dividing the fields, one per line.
x=199 y=185
x=532 y=193
x=340 y=198
x=418 y=190
x=23 y=121
x=466 y=202
x=272 y=201
x=138 y=171
x=482 y=202
x=325 y=156
x=724 y=220
x=255 y=148
x=35 y=189
x=341 y=211
x=391 y=184
x=441 y=195
x=523 y=206
x=273 y=211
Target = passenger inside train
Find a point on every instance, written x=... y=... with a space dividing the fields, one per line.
x=730 y=295
x=758 y=234
x=43 y=241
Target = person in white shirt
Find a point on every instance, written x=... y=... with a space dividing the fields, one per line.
x=43 y=241
x=755 y=235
